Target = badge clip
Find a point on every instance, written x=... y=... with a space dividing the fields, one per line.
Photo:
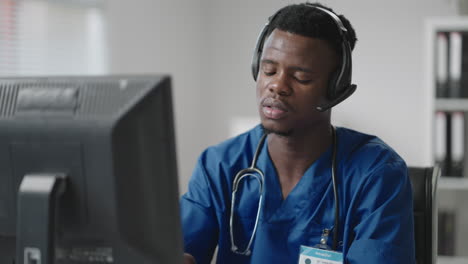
x=324 y=240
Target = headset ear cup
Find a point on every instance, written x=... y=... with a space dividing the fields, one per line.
x=258 y=50
x=340 y=81
x=255 y=64
x=332 y=86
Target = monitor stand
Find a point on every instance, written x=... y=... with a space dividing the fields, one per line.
x=38 y=198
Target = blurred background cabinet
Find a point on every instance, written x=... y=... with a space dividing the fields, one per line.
x=446 y=77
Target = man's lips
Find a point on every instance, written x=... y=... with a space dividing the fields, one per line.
x=273 y=108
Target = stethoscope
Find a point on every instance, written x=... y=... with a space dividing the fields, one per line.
x=255 y=172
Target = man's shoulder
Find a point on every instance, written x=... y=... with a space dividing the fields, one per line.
x=366 y=149
x=366 y=158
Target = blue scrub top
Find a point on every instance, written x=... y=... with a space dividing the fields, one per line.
x=376 y=206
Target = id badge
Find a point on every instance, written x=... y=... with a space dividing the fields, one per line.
x=312 y=255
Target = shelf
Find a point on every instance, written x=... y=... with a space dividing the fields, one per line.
x=451 y=104
x=452 y=191
x=451 y=260
x=453 y=183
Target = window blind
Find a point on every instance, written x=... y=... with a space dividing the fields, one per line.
x=8 y=31
x=48 y=37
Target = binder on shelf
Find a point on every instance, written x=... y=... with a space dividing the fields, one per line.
x=448 y=161
x=458 y=133
x=439 y=137
x=441 y=65
x=449 y=142
x=464 y=66
x=455 y=64
x=446 y=232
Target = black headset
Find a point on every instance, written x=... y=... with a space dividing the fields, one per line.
x=339 y=87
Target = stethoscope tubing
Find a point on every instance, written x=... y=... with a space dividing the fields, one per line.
x=245 y=173
x=253 y=171
x=335 y=190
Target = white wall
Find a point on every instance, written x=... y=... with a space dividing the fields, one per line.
x=150 y=36
x=207 y=45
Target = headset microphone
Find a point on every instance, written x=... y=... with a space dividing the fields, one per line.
x=340 y=98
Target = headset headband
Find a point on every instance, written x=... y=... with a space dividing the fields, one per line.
x=340 y=86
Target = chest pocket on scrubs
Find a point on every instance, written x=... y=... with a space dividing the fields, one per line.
x=245 y=211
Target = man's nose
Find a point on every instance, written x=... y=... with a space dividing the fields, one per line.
x=280 y=85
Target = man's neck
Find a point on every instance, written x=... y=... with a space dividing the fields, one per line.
x=293 y=155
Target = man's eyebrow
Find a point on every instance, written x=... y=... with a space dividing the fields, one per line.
x=267 y=61
x=296 y=68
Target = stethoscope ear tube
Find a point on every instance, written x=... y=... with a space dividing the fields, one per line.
x=257 y=153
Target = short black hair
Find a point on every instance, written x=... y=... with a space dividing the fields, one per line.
x=310 y=22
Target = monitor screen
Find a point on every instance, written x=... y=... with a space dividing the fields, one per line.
x=88 y=171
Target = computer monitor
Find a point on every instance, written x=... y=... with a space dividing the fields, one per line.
x=88 y=171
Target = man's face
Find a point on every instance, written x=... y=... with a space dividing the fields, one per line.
x=292 y=82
